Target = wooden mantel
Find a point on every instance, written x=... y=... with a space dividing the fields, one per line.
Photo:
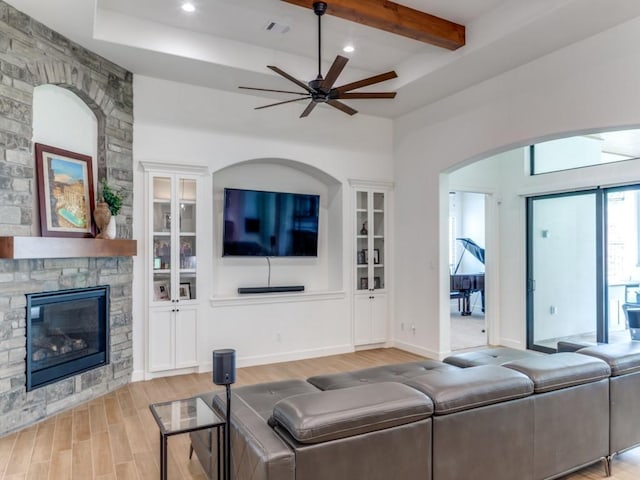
x=58 y=247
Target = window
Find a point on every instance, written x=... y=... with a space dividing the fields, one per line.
x=584 y=151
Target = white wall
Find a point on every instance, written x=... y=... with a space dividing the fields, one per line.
x=181 y=124
x=577 y=89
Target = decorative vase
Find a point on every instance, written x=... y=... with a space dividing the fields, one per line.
x=110 y=232
x=102 y=216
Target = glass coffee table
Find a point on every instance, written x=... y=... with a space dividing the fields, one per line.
x=183 y=416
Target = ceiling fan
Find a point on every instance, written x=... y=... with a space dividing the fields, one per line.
x=321 y=89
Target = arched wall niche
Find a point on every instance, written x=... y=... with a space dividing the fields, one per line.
x=63 y=120
x=322 y=273
x=110 y=100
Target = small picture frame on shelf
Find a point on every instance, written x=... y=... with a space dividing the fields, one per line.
x=366 y=255
x=364 y=283
x=376 y=256
x=377 y=283
x=185 y=291
x=161 y=290
x=361 y=259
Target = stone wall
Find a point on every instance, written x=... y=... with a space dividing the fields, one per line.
x=30 y=55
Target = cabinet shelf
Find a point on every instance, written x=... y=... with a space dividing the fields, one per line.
x=60 y=247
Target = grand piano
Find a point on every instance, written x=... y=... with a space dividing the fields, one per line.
x=463 y=285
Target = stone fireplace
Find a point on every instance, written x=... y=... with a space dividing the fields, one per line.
x=33 y=55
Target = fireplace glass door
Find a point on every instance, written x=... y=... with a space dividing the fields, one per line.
x=67 y=333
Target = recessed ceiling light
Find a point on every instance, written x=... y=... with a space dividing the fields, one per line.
x=188 y=7
x=348 y=48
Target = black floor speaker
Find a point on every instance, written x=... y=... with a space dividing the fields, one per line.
x=224 y=366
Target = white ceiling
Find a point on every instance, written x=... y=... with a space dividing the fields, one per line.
x=224 y=44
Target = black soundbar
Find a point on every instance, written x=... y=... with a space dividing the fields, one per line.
x=282 y=288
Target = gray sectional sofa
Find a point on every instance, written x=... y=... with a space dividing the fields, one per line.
x=498 y=413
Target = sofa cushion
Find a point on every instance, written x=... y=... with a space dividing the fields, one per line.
x=489 y=356
x=263 y=396
x=571 y=346
x=623 y=358
x=472 y=387
x=331 y=415
x=386 y=373
x=560 y=370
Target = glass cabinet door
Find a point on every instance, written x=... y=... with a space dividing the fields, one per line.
x=378 y=241
x=174 y=238
x=362 y=240
x=187 y=214
x=162 y=245
x=370 y=247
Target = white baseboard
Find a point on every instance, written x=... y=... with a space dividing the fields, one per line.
x=282 y=357
x=507 y=342
x=137 y=375
x=418 y=350
x=170 y=373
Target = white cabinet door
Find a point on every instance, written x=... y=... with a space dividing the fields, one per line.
x=379 y=306
x=186 y=320
x=370 y=319
x=161 y=339
x=362 y=319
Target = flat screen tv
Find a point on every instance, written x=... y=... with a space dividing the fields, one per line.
x=270 y=224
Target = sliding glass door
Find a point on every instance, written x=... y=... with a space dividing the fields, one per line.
x=623 y=274
x=563 y=269
x=583 y=266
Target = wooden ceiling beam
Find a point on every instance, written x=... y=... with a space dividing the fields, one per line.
x=395 y=18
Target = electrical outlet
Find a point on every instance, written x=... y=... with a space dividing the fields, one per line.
x=553 y=310
x=413 y=329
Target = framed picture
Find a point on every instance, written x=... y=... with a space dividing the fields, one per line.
x=185 y=291
x=376 y=282
x=366 y=255
x=65 y=191
x=376 y=256
x=161 y=290
x=364 y=283
x=361 y=257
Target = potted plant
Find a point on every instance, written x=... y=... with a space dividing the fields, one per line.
x=113 y=198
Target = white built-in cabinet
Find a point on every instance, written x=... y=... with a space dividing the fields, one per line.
x=371 y=299
x=172 y=269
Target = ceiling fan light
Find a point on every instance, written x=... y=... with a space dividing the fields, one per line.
x=348 y=49
x=188 y=7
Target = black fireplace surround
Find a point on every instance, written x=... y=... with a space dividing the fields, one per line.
x=67 y=333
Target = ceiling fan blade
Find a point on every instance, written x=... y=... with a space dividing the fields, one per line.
x=291 y=79
x=367 y=81
x=271 y=90
x=309 y=109
x=281 y=103
x=358 y=95
x=334 y=72
x=341 y=106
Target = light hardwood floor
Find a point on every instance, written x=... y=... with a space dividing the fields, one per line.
x=115 y=436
